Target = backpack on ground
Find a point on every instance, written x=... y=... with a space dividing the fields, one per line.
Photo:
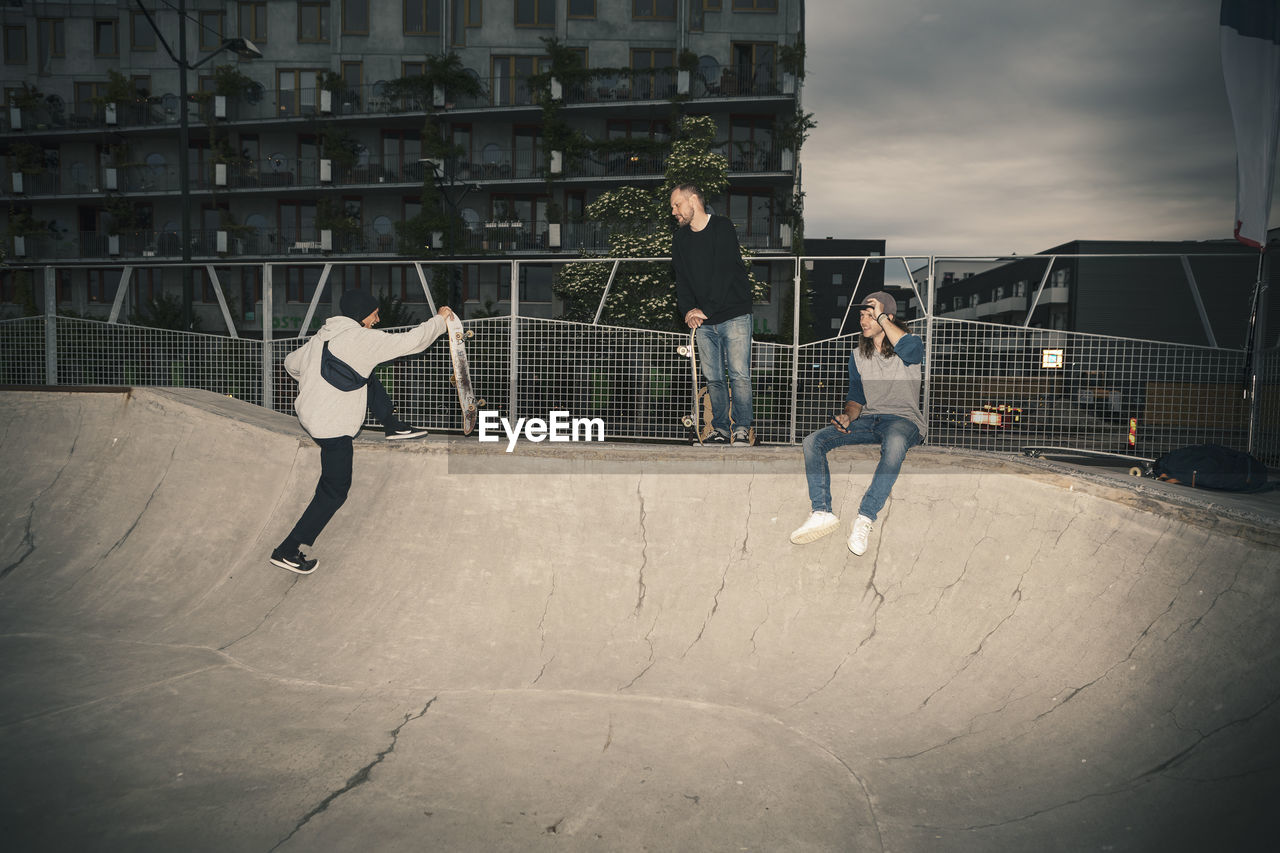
x=1212 y=466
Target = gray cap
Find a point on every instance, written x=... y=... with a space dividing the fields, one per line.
x=890 y=304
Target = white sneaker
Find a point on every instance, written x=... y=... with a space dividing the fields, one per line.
x=818 y=525
x=859 y=534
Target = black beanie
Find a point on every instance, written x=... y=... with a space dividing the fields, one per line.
x=357 y=305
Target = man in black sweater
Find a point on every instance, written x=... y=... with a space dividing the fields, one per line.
x=713 y=293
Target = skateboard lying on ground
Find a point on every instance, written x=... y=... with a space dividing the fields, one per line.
x=1136 y=465
x=461 y=377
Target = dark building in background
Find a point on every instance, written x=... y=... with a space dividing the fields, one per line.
x=1190 y=292
x=856 y=268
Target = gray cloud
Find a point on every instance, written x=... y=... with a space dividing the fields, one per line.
x=989 y=126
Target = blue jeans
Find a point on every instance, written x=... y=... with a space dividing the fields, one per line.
x=895 y=436
x=724 y=346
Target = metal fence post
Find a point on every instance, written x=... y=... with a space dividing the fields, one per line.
x=268 y=309
x=795 y=351
x=513 y=345
x=929 y=341
x=50 y=326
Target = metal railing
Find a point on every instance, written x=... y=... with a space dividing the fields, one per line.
x=987 y=387
x=382 y=98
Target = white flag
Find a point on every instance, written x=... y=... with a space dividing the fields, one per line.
x=1250 y=31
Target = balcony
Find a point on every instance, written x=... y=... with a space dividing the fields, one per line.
x=389 y=98
x=493 y=237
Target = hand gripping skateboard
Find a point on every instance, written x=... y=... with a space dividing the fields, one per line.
x=461 y=377
x=690 y=420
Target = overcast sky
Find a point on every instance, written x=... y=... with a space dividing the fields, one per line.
x=979 y=127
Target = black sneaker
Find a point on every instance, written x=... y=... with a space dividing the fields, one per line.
x=296 y=562
x=716 y=437
x=399 y=431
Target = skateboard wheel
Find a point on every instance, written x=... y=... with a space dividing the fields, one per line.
x=687 y=421
x=482 y=402
x=1135 y=471
x=453 y=379
x=470 y=333
x=683 y=350
x=471 y=408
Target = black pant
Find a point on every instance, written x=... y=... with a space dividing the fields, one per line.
x=379 y=401
x=331 y=491
x=335 y=472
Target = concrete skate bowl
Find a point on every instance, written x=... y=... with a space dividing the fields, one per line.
x=611 y=647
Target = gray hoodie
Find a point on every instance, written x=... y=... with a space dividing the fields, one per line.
x=326 y=412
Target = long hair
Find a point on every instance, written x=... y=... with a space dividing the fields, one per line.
x=866 y=345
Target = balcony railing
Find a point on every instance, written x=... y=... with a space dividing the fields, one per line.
x=497 y=236
x=383 y=98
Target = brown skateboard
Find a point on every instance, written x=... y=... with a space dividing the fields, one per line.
x=461 y=377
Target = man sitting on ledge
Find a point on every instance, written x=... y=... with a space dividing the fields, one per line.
x=882 y=407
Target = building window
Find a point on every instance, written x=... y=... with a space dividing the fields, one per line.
x=102 y=286
x=211 y=27
x=582 y=9
x=1019 y=288
x=313 y=22
x=753 y=5
x=535 y=13
x=400 y=148
x=300 y=283
x=15 y=45
x=51 y=39
x=105 y=38
x=509 y=78
x=253 y=22
x=753 y=69
x=752 y=213
x=751 y=144
x=661 y=83
x=527 y=150
x=653 y=10
x=352 y=77
x=710 y=5
x=85 y=94
x=998 y=293
x=296 y=90
x=141 y=36
x=355 y=17
x=413 y=69
x=421 y=17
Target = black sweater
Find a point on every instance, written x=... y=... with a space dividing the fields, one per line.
x=709 y=271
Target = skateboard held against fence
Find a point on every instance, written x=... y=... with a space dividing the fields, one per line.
x=461 y=377
x=690 y=420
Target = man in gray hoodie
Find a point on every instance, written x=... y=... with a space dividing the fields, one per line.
x=334 y=371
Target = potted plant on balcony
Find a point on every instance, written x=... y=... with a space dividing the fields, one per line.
x=25 y=101
x=229 y=83
x=25 y=160
x=342 y=150
x=23 y=226
x=342 y=221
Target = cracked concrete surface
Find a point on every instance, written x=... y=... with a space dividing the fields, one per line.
x=616 y=648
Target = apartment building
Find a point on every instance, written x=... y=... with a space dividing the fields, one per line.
x=140 y=134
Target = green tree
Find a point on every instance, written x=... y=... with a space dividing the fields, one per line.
x=639 y=223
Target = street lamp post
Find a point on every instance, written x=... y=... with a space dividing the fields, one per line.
x=444 y=176
x=245 y=49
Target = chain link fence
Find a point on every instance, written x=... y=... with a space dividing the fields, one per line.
x=987 y=386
